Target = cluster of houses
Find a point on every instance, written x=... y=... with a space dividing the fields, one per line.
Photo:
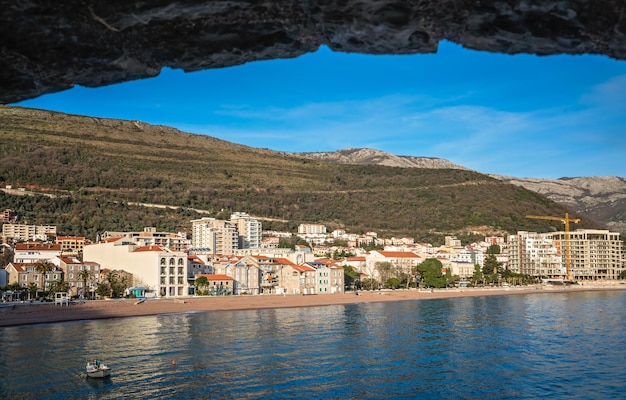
x=236 y=258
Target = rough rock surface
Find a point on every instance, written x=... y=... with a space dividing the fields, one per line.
x=377 y=157
x=602 y=198
x=51 y=45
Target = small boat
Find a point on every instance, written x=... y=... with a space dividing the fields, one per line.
x=97 y=369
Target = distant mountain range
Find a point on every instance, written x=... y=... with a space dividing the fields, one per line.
x=602 y=198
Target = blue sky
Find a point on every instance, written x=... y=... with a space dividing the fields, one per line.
x=516 y=115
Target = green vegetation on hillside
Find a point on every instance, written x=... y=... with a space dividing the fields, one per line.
x=97 y=166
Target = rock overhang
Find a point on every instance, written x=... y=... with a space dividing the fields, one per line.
x=50 y=45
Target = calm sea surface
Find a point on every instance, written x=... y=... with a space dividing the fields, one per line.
x=553 y=345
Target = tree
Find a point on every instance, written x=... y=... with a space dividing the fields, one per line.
x=59 y=286
x=32 y=290
x=478 y=275
x=493 y=249
x=351 y=276
x=430 y=271
x=200 y=283
x=392 y=283
x=384 y=269
x=85 y=275
x=491 y=265
x=43 y=267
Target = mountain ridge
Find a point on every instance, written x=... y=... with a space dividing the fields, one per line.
x=103 y=167
x=602 y=198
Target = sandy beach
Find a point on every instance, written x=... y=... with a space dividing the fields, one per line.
x=14 y=314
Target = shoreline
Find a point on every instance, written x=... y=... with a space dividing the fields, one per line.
x=18 y=314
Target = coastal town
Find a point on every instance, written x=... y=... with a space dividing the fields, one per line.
x=236 y=257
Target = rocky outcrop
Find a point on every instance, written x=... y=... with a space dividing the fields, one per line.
x=377 y=157
x=50 y=45
x=602 y=198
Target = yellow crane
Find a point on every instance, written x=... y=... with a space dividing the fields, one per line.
x=565 y=221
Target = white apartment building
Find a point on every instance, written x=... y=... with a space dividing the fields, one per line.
x=594 y=254
x=311 y=229
x=151 y=237
x=535 y=254
x=249 y=230
x=25 y=233
x=213 y=236
x=163 y=271
x=36 y=252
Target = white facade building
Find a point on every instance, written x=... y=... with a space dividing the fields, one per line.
x=213 y=236
x=162 y=270
x=249 y=230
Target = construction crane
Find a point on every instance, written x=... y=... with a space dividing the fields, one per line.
x=566 y=221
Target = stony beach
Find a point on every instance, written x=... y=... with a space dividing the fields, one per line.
x=18 y=313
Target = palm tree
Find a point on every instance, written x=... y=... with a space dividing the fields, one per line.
x=111 y=278
x=85 y=275
x=43 y=267
x=32 y=290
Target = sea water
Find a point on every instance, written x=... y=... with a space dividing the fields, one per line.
x=549 y=345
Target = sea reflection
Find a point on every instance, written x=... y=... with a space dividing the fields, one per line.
x=522 y=346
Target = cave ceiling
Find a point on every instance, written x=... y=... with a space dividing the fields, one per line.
x=48 y=46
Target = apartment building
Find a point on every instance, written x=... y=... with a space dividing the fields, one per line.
x=26 y=233
x=399 y=262
x=161 y=270
x=311 y=229
x=249 y=230
x=35 y=252
x=594 y=254
x=536 y=254
x=71 y=245
x=26 y=273
x=151 y=237
x=72 y=267
x=214 y=236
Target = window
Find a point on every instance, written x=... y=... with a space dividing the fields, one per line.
x=162 y=270
x=180 y=261
x=180 y=270
x=162 y=261
x=172 y=261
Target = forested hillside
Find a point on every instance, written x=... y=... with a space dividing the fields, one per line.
x=95 y=167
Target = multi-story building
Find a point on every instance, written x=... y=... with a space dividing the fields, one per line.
x=593 y=254
x=25 y=233
x=72 y=267
x=151 y=237
x=71 y=245
x=398 y=262
x=36 y=252
x=249 y=230
x=26 y=273
x=9 y=216
x=161 y=270
x=311 y=229
x=535 y=254
x=213 y=236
